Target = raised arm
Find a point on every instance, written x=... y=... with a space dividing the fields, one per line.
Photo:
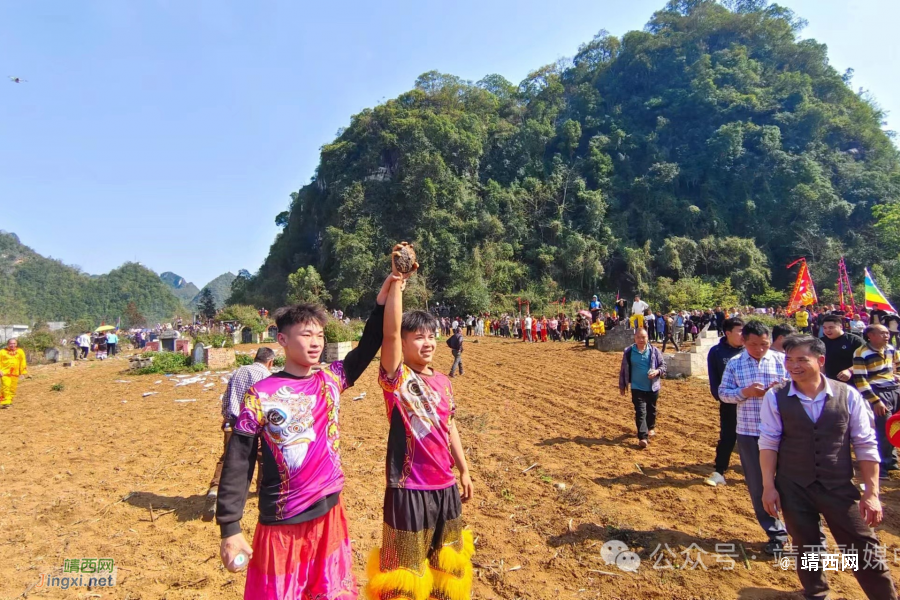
x=391 y=346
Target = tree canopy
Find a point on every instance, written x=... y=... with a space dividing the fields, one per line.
x=716 y=145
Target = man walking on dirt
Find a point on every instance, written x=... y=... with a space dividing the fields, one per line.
x=242 y=380
x=642 y=368
x=747 y=378
x=806 y=431
x=729 y=346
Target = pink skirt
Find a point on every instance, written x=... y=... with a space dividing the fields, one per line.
x=305 y=561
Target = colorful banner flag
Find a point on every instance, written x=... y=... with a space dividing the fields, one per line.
x=874 y=297
x=804 y=293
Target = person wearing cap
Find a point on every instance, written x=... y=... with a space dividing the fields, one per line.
x=596 y=306
x=455 y=342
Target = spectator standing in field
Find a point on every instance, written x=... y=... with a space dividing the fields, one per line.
x=566 y=333
x=875 y=368
x=747 y=377
x=83 y=342
x=678 y=323
x=637 y=312
x=469 y=322
x=650 y=324
x=13 y=365
x=806 y=431
x=528 y=323
x=669 y=328
x=720 y=320
x=112 y=343
x=554 y=329
x=857 y=325
x=621 y=309
x=840 y=348
x=455 y=343
x=779 y=334
x=232 y=401
x=660 y=326
x=642 y=368
x=729 y=346
x=801 y=320
x=595 y=307
x=543 y=324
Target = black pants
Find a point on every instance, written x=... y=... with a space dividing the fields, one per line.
x=801 y=507
x=727 y=436
x=669 y=338
x=468 y=330
x=435 y=515
x=890 y=399
x=84 y=351
x=644 y=411
x=112 y=349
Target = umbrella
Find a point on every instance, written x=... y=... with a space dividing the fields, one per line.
x=584 y=313
x=103 y=328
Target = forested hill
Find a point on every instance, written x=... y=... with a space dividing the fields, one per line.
x=714 y=146
x=35 y=288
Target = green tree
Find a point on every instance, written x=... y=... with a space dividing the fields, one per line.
x=207 y=304
x=305 y=285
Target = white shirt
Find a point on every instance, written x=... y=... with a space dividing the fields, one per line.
x=639 y=307
x=83 y=340
x=527 y=322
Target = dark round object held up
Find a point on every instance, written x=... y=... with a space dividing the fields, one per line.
x=405 y=259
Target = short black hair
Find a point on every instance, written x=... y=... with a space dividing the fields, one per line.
x=870 y=329
x=303 y=314
x=813 y=344
x=417 y=320
x=754 y=328
x=833 y=319
x=731 y=323
x=264 y=355
x=781 y=329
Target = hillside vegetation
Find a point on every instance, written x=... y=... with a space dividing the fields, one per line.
x=35 y=288
x=709 y=149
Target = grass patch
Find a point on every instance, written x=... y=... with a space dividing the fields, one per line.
x=57 y=387
x=170 y=362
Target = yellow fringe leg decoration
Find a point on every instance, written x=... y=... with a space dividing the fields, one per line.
x=452 y=570
x=399 y=584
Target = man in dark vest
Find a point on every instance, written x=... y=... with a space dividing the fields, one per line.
x=806 y=431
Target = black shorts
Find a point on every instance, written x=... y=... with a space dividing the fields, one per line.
x=418 y=523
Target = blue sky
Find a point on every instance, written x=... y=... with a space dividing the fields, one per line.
x=171 y=132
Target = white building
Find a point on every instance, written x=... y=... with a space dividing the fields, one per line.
x=12 y=331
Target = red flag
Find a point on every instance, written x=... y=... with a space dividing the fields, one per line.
x=804 y=292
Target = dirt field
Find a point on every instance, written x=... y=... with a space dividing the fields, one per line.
x=81 y=468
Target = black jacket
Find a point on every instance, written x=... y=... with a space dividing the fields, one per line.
x=455 y=342
x=716 y=360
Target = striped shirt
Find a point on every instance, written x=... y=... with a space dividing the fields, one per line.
x=743 y=371
x=242 y=380
x=874 y=370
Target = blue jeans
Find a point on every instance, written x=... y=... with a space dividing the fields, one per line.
x=748 y=450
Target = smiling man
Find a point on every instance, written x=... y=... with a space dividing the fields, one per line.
x=301 y=548
x=806 y=431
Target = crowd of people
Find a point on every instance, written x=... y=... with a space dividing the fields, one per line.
x=794 y=401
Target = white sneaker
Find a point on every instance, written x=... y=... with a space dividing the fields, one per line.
x=715 y=479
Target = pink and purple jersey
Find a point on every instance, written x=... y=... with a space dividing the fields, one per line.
x=297 y=419
x=421 y=410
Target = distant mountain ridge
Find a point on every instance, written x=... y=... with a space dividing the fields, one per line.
x=189 y=294
x=37 y=288
x=183 y=290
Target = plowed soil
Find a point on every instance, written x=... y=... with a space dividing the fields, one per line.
x=552 y=450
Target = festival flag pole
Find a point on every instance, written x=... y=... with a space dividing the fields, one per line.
x=804 y=292
x=874 y=298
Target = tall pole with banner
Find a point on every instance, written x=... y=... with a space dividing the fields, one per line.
x=804 y=293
